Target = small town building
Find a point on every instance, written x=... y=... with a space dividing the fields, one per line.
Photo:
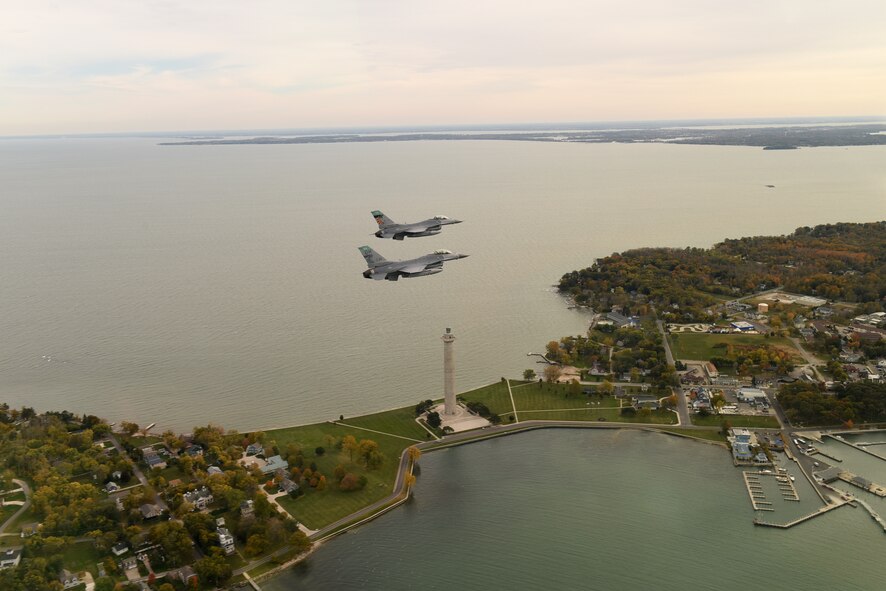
x=253 y=449
x=120 y=549
x=644 y=401
x=288 y=486
x=184 y=574
x=742 y=452
x=10 y=557
x=212 y=470
x=829 y=475
x=112 y=487
x=154 y=461
x=751 y=395
x=762 y=308
x=742 y=326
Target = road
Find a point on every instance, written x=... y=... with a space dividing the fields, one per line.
x=682 y=406
x=811 y=360
x=136 y=470
x=27 y=490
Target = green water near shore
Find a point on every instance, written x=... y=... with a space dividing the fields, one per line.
x=591 y=510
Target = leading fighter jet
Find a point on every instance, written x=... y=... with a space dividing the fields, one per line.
x=388 y=229
x=429 y=264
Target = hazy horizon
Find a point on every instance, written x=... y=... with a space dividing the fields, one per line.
x=98 y=67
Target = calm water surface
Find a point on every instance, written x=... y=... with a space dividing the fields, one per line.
x=182 y=285
x=597 y=510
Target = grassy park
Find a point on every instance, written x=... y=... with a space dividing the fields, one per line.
x=748 y=421
x=703 y=346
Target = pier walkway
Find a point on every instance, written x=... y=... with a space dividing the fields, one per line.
x=822 y=511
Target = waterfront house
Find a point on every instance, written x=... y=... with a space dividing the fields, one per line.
x=742 y=452
x=645 y=401
x=274 y=463
x=254 y=449
x=10 y=557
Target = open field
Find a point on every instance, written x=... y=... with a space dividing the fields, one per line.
x=613 y=415
x=319 y=508
x=704 y=346
x=399 y=421
x=536 y=396
x=763 y=422
x=82 y=556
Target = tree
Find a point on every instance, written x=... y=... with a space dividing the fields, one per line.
x=529 y=375
x=414 y=453
x=319 y=451
x=163 y=587
x=299 y=541
x=256 y=544
x=349 y=444
x=129 y=429
x=606 y=388
x=552 y=373
x=108 y=584
x=214 y=568
x=434 y=420
x=409 y=481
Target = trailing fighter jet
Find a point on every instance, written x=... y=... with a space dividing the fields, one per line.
x=388 y=229
x=429 y=264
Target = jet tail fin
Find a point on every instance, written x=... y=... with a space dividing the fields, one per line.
x=373 y=259
x=381 y=219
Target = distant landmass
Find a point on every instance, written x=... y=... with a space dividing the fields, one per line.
x=785 y=137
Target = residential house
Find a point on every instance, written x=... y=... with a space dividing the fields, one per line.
x=247 y=508
x=274 y=463
x=254 y=449
x=10 y=557
x=194 y=451
x=200 y=498
x=151 y=511
x=68 y=579
x=226 y=540
x=120 y=549
x=153 y=460
x=212 y=470
x=642 y=401
x=184 y=574
x=288 y=486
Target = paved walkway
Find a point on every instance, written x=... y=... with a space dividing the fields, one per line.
x=379 y=432
x=513 y=404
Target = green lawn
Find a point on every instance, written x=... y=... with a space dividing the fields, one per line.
x=494 y=396
x=613 y=415
x=81 y=556
x=535 y=396
x=319 y=508
x=700 y=346
x=7 y=512
x=765 y=422
x=18 y=496
x=400 y=422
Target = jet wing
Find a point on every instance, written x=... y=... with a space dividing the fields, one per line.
x=413 y=268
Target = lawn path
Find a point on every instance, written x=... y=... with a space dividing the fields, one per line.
x=513 y=405
x=379 y=432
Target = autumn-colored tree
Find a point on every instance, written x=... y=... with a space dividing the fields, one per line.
x=321 y=483
x=129 y=429
x=552 y=373
x=349 y=445
x=339 y=472
x=606 y=388
x=414 y=453
x=409 y=480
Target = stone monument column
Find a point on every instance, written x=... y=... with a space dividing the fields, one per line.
x=448 y=374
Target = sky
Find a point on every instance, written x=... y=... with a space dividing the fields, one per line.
x=92 y=66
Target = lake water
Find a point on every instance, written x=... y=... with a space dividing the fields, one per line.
x=596 y=510
x=182 y=285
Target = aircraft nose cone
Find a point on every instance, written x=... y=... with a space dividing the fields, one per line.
x=463 y=256
x=368 y=273
x=378 y=234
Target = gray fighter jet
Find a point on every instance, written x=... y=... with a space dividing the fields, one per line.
x=429 y=264
x=388 y=229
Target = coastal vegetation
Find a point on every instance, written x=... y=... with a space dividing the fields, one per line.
x=858 y=402
x=835 y=261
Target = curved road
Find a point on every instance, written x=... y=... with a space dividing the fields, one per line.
x=27 y=490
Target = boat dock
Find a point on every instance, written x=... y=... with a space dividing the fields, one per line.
x=863 y=484
x=755 y=488
x=823 y=510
